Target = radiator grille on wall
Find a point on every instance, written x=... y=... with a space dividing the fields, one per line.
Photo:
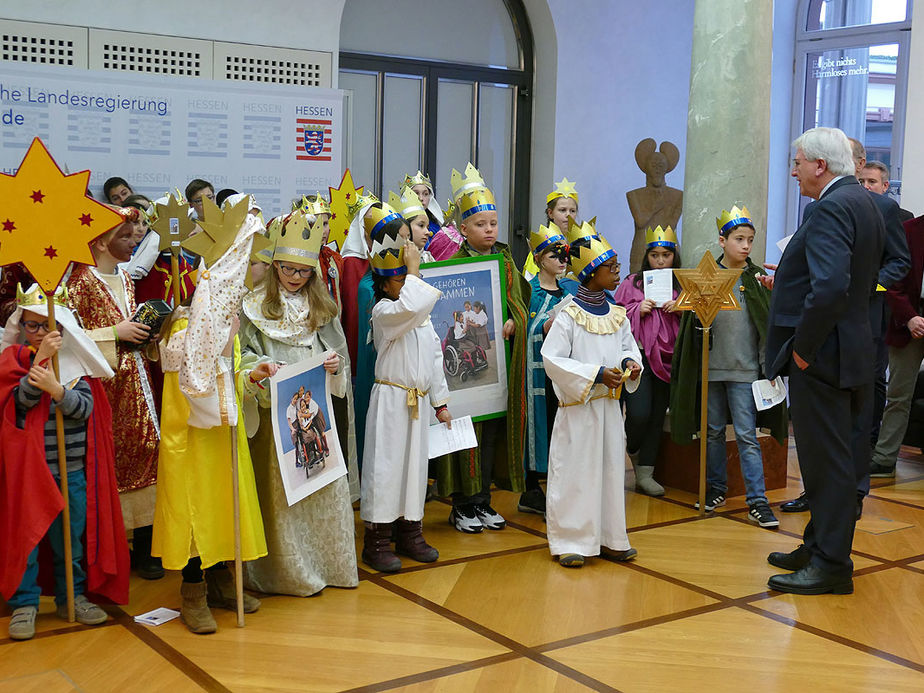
x=244 y=63
x=150 y=54
x=45 y=44
x=124 y=51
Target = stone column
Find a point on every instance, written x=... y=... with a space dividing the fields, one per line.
x=728 y=125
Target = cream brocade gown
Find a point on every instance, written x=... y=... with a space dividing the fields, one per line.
x=311 y=544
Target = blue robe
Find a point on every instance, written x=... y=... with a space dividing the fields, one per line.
x=365 y=360
x=536 y=455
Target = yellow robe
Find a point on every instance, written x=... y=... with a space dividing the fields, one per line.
x=194 y=514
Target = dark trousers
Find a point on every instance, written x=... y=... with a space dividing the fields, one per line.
x=831 y=427
x=492 y=433
x=645 y=410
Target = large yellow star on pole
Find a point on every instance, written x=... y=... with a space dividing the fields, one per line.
x=706 y=289
x=340 y=200
x=47 y=220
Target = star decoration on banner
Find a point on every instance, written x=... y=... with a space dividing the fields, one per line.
x=707 y=288
x=44 y=209
x=177 y=209
x=340 y=199
x=219 y=229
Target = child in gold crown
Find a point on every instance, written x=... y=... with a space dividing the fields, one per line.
x=467 y=475
x=589 y=354
x=30 y=502
x=408 y=374
x=735 y=362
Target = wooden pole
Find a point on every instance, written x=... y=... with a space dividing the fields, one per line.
x=175 y=273
x=238 y=563
x=62 y=473
x=703 y=422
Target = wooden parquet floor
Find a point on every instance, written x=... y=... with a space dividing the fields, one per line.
x=497 y=613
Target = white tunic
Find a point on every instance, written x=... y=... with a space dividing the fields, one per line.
x=394 y=472
x=585 y=502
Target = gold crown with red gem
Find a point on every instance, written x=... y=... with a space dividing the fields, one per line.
x=587 y=249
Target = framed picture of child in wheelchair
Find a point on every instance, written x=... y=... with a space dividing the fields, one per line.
x=307 y=447
x=469 y=319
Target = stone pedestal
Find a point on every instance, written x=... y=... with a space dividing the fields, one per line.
x=728 y=125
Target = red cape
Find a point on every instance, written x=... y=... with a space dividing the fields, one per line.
x=353 y=270
x=26 y=517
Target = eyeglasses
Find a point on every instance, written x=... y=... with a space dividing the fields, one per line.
x=613 y=267
x=31 y=326
x=292 y=271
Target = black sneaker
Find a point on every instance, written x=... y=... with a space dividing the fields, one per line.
x=714 y=499
x=762 y=515
x=489 y=517
x=464 y=519
x=533 y=501
x=880 y=471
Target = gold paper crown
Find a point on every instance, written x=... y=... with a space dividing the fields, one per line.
x=417 y=179
x=316 y=206
x=359 y=201
x=480 y=200
x=376 y=219
x=588 y=250
x=272 y=235
x=736 y=217
x=387 y=256
x=34 y=296
x=408 y=205
x=470 y=182
x=563 y=188
x=545 y=237
x=298 y=241
x=660 y=237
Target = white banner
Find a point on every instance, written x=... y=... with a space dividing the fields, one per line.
x=157 y=132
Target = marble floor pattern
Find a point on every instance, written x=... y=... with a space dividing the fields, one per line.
x=496 y=612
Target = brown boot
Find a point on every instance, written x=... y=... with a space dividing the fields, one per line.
x=221 y=593
x=411 y=542
x=195 y=611
x=377 y=548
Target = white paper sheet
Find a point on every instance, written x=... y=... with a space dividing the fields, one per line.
x=783 y=242
x=461 y=436
x=157 y=616
x=659 y=285
x=768 y=393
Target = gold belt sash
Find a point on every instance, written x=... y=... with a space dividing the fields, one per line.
x=412 y=394
x=609 y=394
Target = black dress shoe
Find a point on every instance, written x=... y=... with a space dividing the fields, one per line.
x=797 y=505
x=794 y=560
x=811 y=580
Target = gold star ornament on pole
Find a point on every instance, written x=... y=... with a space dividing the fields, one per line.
x=706 y=289
x=47 y=220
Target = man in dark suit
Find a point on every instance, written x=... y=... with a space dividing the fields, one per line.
x=819 y=335
x=893 y=267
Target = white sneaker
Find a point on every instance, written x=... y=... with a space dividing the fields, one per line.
x=463 y=518
x=489 y=517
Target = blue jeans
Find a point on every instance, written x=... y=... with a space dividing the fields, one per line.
x=29 y=591
x=736 y=398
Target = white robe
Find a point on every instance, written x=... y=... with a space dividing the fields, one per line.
x=585 y=502
x=394 y=473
